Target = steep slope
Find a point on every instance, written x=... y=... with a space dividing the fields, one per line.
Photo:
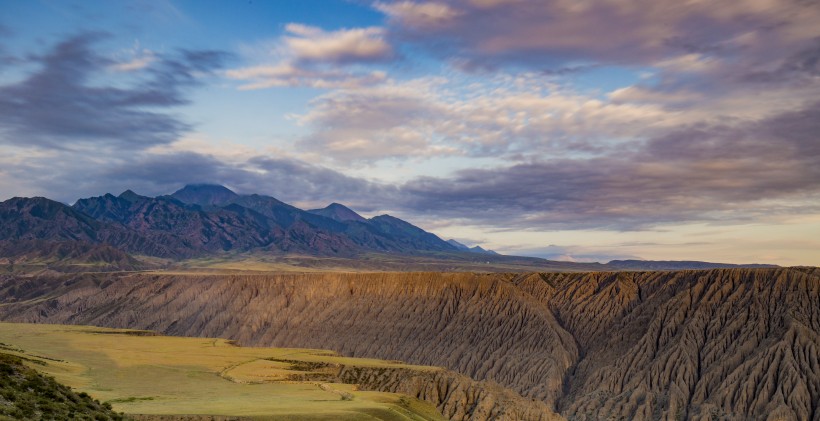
x=731 y=344
x=188 y=231
x=409 y=235
x=480 y=326
x=38 y=217
x=725 y=344
x=457 y=397
x=43 y=219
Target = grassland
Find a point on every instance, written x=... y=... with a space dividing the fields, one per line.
x=375 y=262
x=138 y=372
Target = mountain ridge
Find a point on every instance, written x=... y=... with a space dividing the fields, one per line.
x=206 y=220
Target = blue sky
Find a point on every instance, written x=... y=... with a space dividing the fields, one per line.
x=564 y=129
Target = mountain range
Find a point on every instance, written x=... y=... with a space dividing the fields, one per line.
x=201 y=221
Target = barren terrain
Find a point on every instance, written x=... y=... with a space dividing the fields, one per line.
x=711 y=344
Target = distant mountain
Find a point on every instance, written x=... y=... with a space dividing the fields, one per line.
x=475 y=249
x=409 y=235
x=338 y=212
x=203 y=220
x=677 y=265
x=479 y=249
x=191 y=230
x=65 y=256
x=38 y=218
x=458 y=245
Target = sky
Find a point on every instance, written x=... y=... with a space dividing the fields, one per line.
x=583 y=130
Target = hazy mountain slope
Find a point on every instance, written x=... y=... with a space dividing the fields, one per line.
x=338 y=212
x=458 y=245
x=409 y=235
x=720 y=344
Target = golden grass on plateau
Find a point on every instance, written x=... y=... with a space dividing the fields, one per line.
x=141 y=374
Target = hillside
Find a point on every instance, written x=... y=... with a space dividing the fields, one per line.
x=26 y=394
x=731 y=343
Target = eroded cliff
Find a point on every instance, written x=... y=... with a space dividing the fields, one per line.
x=716 y=344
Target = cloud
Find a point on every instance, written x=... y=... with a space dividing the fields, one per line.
x=138 y=58
x=419 y=14
x=310 y=56
x=709 y=173
x=345 y=46
x=369 y=124
x=493 y=33
x=508 y=117
x=287 y=74
x=56 y=107
x=723 y=174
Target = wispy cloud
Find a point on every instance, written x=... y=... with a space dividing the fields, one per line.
x=356 y=45
x=310 y=56
x=288 y=74
x=57 y=107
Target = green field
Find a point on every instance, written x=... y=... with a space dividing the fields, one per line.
x=141 y=373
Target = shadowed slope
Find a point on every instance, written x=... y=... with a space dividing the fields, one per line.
x=738 y=343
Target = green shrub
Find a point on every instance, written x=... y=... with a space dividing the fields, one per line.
x=32 y=396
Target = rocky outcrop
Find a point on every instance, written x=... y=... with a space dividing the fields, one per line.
x=730 y=344
x=718 y=344
x=457 y=397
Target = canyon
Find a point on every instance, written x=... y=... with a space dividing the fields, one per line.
x=734 y=344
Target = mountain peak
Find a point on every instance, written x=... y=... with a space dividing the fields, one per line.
x=458 y=245
x=338 y=212
x=204 y=194
x=130 y=196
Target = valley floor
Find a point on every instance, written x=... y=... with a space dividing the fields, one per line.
x=141 y=373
